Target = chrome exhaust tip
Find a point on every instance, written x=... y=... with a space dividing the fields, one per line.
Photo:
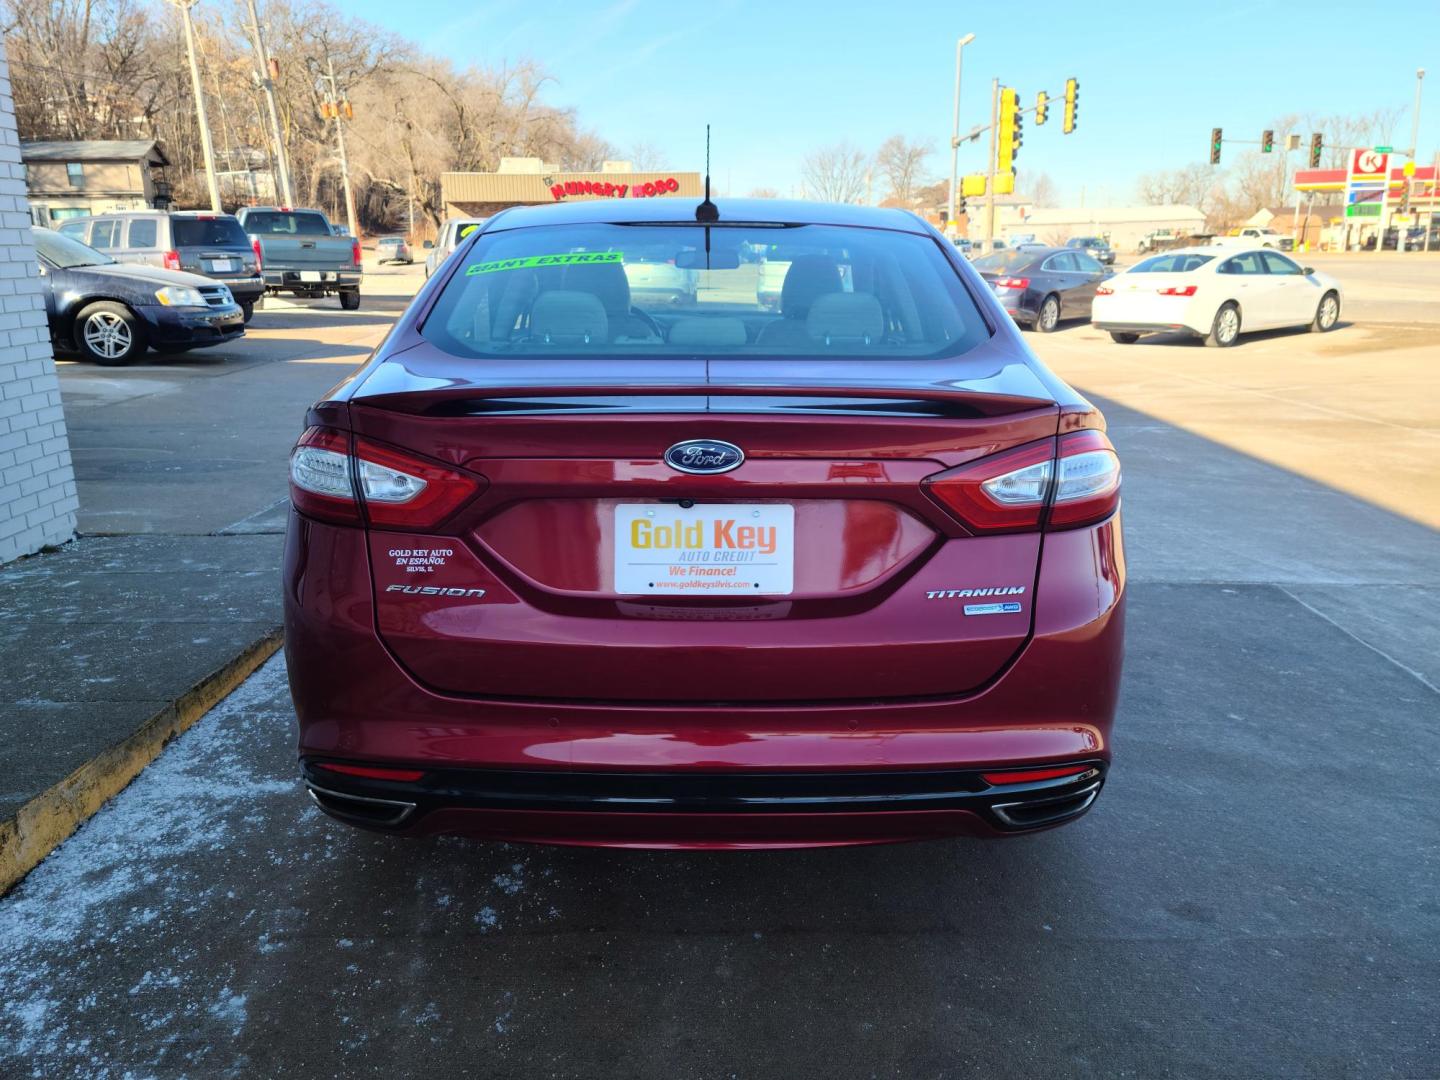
x=1032 y=813
x=361 y=809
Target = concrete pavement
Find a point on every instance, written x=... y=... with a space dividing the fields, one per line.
x=121 y=640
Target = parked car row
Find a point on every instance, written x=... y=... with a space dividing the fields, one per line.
x=1215 y=292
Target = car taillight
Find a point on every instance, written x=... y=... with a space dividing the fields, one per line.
x=1012 y=282
x=394 y=488
x=255 y=245
x=171 y=260
x=1178 y=290
x=1061 y=484
x=355 y=251
x=1104 y=290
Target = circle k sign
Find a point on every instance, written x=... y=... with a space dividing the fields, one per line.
x=1369 y=163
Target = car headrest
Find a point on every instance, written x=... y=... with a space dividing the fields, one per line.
x=564 y=316
x=606 y=281
x=717 y=332
x=809 y=277
x=850 y=318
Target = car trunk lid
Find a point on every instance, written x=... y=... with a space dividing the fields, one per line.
x=538 y=588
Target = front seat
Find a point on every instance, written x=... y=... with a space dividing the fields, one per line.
x=567 y=317
x=608 y=284
x=809 y=278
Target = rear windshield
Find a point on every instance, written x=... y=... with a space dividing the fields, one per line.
x=1004 y=262
x=1170 y=264
x=652 y=290
x=286 y=224
x=208 y=232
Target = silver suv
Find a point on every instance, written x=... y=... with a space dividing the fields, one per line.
x=213 y=245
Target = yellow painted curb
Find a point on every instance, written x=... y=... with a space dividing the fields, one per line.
x=39 y=826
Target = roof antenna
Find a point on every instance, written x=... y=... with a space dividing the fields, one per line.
x=707 y=211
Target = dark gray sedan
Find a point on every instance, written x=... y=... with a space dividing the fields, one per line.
x=1040 y=286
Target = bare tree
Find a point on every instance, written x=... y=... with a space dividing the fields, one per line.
x=902 y=164
x=835 y=173
x=1191 y=185
x=114 y=69
x=646 y=157
x=1040 y=188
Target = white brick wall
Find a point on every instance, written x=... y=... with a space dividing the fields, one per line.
x=37 y=484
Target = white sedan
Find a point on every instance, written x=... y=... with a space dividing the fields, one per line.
x=1216 y=293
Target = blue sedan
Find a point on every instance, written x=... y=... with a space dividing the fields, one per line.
x=1040 y=286
x=111 y=312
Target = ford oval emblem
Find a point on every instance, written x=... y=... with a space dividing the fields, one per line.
x=704 y=456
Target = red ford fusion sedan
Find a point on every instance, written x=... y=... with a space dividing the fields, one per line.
x=568 y=564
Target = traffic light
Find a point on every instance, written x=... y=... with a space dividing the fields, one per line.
x=1072 y=105
x=1316 y=145
x=1216 y=138
x=1011 y=130
x=1267 y=141
x=346 y=111
x=1042 y=107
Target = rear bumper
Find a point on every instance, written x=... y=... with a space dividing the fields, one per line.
x=550 y=770
x=244 y=289
x=329 y=279
x=1143 y=327
x=688 y=809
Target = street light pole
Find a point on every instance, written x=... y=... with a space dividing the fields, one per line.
x=210 y=178
x=955 y=136
x=990 y=167
x=267 y=83
x=340 y=142
x=1415 y=117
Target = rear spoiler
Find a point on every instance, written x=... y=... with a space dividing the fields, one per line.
x=470 y=399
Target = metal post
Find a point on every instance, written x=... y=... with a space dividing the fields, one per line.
x=210 y=178
x=340 y=142
x=1296 y=236
x=955 y=138
x=990 y=166
x=1415 y=119
x=268 y=85
x=1434 y=198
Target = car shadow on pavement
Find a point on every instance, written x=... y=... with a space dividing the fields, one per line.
x=1247 y=337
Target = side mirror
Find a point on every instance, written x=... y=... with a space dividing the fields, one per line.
x=1308 y=271
x=428 y=244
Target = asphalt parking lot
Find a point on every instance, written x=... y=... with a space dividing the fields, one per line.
x=1255 y=894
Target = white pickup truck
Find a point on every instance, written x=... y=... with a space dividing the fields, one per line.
x=1254 y=236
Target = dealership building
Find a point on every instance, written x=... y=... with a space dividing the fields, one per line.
x=530 y=182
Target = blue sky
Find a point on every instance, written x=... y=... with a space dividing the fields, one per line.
x=779 y=78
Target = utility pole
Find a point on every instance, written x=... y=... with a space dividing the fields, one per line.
x=950 y=215
x=1434 y=198
x=1415 y=117
x=211 y=179
x=340 y=143
x=990 y=167
x=267 y=83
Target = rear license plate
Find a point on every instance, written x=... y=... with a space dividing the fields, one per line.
x=224 y=266
x=309 y=275
x=731 y=549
